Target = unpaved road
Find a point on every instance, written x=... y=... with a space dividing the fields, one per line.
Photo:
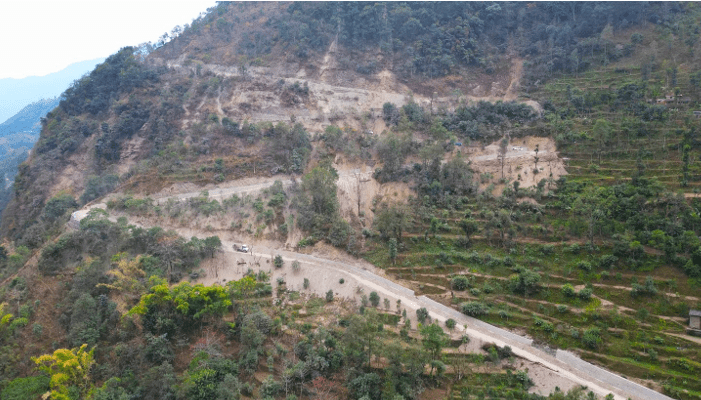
x=564 y=364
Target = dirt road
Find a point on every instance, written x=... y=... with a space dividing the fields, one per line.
x=360 y=275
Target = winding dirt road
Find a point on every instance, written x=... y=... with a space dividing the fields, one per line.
x=562 y=363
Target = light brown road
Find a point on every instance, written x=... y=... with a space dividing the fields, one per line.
x=562 y=363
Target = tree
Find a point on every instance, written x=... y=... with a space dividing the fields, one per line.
x=362 y=336
x=278 y=261
x=329 y=296
x=57 y=206
x=392 y=220
x=501 y=155
x=321 y=184
x=393 y=250
x=167 y=249
x=526 y=282
x=602 y=131
x=685 y=176
x=374 y=299
x=503 y=225
x=68 y=369
x=318 y=206
x=469 y=227
x=450 y=324
x=212 y=244
x=433 y=339
x=422 y=314
x=128 y=276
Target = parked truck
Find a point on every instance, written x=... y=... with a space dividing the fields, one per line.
x=243 y=248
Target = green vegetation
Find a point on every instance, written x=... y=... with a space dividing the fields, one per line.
x=605 y=260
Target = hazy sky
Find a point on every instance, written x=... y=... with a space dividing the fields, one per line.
x=41 y=37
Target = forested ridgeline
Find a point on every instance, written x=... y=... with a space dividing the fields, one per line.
x=431 y=39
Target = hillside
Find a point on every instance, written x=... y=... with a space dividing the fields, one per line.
x=441 y=201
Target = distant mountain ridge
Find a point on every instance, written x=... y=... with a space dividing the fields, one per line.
x=27 y=120
x=17 y=136
x=15 y=94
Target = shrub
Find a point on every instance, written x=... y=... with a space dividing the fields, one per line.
x=648 y=289
x=547 y=250
x=329 y=296
x=270 y=387
x=585 y=294
x=583 y=265
x=341 y=281
x=460 y=282
x=526 y=282
x=450 y=324
x=653 y=354
x=607 y=261
x=278 y=261
x=575 y=248
x=561 y=308
x=568 y=290
x=306 y=283
x=37 y=329
x=592 y=338
x=57 y=206
x=474 y=308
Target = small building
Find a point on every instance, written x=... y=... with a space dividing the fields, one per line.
x=695 y=319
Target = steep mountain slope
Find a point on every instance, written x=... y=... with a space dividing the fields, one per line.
x=426 y=138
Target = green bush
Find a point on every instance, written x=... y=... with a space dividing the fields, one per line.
x=460 y=282
x=592 y=338
x=474 y=308
x=607 y=261
x=583 y=265
x=585 y=294
x=568 y=290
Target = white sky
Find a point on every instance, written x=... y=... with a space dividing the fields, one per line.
x=41 y=37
